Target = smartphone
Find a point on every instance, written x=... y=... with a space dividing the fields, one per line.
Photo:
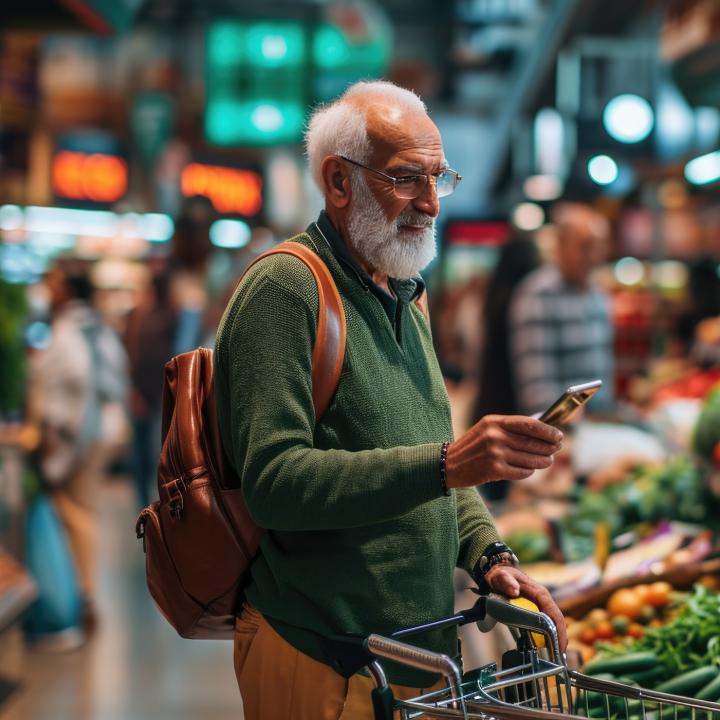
x=575 y=396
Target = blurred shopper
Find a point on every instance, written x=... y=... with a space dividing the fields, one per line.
x=369 y=509
x=150 y=341
x=518 y=257
x=78 y=395
x=703 y=302
x=561 y=332
x=168 y=321
x=496 y=394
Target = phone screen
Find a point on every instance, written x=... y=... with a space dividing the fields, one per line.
x=575 y=396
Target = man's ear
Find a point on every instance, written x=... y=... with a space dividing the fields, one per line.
x=336 y=179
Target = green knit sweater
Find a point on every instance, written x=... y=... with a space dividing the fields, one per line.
x=361 y=538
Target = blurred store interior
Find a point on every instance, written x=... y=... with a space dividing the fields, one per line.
x=152 y=148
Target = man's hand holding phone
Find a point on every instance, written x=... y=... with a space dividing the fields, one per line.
x=501 y=447
x=512 y=447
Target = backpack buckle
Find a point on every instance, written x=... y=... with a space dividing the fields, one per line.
x=140 y=528
x=175 y=489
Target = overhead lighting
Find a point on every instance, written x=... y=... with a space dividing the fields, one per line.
x=528 y=217
x=628 y=118
x=602 y=169
x=704 y=169
x=230 y=233
x=707 y=127
x=542 y=188
x=11 y=217
x=549 y=141
x=63 y=224
x=156 y=227
x=629 y=271
x=670 y=275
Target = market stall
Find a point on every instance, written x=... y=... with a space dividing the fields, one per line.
x=625 y=534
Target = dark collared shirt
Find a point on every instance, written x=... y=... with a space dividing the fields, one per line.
x=406 y=291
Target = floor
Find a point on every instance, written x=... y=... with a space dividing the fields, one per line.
x=135 y=667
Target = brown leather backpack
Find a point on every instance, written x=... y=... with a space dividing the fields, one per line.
x=199 y=539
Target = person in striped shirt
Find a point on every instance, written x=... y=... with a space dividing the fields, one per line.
x=560 y=327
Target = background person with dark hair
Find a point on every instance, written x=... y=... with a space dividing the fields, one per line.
x=496 y=394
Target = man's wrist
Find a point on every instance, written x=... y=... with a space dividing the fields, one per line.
x=497 y=553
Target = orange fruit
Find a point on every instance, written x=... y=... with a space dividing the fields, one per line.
x=659 y=594
x=625 y=602
x=604 y=630
x=635 y=630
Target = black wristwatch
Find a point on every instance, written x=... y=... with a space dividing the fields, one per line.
x=496 y=553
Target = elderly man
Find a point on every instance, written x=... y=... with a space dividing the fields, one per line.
x=560 y=329
x=370 y=508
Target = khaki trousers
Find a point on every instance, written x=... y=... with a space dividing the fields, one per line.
x=76 y=505
x=278 y=682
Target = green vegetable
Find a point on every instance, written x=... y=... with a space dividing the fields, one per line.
x=595 y=704
x=646 y=678
x=707 y=430
x=689 y=682
x=529 y=545
x=622 y=664
x=620 y=624
x=711 y=691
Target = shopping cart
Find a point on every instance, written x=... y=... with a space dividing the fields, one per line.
x=531 y=683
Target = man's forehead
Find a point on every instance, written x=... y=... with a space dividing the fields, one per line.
x=392 y=128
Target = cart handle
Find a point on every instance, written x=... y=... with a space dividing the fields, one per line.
x=522 y=619
x=422 y=660
x=489 y=609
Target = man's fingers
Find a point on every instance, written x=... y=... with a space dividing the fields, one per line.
x=510 y=472
x=513 y=582
x=530 y=427
x=527 y=461
x=503 y=582
x=531 y=445
x=542 y=598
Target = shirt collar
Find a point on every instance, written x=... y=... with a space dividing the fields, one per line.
x=406 y=290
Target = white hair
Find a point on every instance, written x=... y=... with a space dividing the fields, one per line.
x=340 y=127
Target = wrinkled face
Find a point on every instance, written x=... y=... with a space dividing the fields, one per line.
x=396 y=236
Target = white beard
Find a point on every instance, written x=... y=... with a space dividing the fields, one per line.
x=382 y=244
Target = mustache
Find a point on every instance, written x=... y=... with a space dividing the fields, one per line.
x=412 y=218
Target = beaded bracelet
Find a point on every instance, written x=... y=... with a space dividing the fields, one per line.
x=443 y=463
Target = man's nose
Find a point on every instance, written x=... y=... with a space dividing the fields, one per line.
x=428 y=201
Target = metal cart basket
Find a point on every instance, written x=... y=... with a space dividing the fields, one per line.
x=531 y=683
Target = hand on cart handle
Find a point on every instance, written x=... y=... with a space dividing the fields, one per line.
x=500 y=447
x=513 y=583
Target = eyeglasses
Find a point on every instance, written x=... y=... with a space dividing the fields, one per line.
x=409 y=187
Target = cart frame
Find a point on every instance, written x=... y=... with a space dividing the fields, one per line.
x=532 y=684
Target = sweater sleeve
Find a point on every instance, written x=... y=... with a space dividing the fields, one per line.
x=265 y=349
x=475 y=527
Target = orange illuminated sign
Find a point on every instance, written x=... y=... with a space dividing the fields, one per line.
x=89 y=176
x=230 y=190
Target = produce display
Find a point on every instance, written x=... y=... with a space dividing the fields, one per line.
x=677 y=651
x=620 y=556
x=677 y=490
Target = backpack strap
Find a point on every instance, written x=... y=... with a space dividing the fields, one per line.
x=329 y=349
